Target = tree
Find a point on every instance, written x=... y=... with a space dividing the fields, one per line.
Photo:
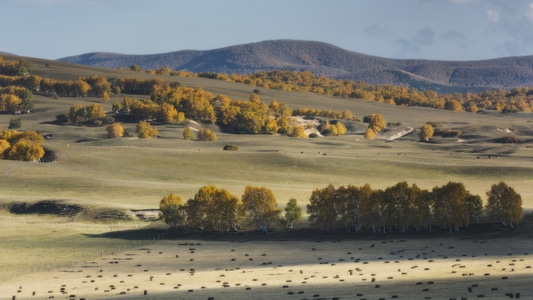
x=398 y=206
x=474 y=205
x=77 y=113
x=260 y=207
x=198 y=208
x=171 y=207
x=449 y=205
x=168 y=113
x=224 y=211
x=370 y=134
x=453 y=105
x=426 y=132
x=321 y=208
x=135 y=68
x=15 y=123
x=115 y=130
x=348 y=207
x=504 y=204
x=145 y=130
x=293 y=213
x=188 y=134
x=376 y=122
x=4 y=145
x=205 y=134
x=25 y=150
x=116 y=107
x=94 y=111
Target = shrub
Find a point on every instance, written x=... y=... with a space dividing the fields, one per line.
x=205 y=135
x=231 y=147
x=313 y=135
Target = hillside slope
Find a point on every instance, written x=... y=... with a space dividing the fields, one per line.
x=325 y=59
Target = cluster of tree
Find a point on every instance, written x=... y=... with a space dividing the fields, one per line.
x=23 y=146
x=216 y=209
x=337 y=128
x=15 y=99
x=401 y=207
x=14 y=68
x=16 y=74
x=376 y=123
x=92 y=114
x=331 y=114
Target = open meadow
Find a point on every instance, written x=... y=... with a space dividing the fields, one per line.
x=105 y=251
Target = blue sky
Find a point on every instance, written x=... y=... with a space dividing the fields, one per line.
x=427 y=29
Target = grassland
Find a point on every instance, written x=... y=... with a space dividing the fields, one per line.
x=123 y=174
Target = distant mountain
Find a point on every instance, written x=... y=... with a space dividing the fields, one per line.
x=328 y=60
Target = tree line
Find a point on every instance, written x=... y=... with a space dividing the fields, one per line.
x=513 y=100
x=401 y=207
x=215 y=209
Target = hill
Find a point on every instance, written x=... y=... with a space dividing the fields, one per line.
x=328 y=60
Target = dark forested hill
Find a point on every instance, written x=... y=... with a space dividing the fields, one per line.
x=324 y=59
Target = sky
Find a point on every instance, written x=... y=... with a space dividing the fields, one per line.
x=410 y=29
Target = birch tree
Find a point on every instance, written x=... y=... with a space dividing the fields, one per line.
x=504 y=204
x=260 y=207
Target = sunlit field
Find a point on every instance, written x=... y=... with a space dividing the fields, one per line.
x=41 y=253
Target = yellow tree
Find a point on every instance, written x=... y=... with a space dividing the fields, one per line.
x=376 y=122
x=168 y=113
x=322 y=208
x=145 y=130
x=171 y=207
x=426 y=132
x=94 y=111
x=115 y=130
x=260 y=207
x=504 y=204
x=188 y=134
x=449 y=205
x=25 y=151
x=197 y=209
x=4 y=145
x=206 y=134
x=77 y=113
x=370 y=134
x=453 y=105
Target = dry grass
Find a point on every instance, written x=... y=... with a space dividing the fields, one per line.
x=130 y=173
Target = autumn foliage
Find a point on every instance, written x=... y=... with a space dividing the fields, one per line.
x=23 y=146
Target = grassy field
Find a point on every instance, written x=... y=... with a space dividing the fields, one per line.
x=125 y=174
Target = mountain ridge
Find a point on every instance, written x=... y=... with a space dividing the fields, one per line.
x=331 y=61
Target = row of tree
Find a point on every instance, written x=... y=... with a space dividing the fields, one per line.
x=516 y=99
x=400 y=207
x=14 y=68
x=217 y=209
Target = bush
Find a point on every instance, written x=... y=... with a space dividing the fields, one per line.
x=313 y=135
x=231 y=147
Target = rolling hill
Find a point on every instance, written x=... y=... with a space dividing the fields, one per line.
x=328 y=60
